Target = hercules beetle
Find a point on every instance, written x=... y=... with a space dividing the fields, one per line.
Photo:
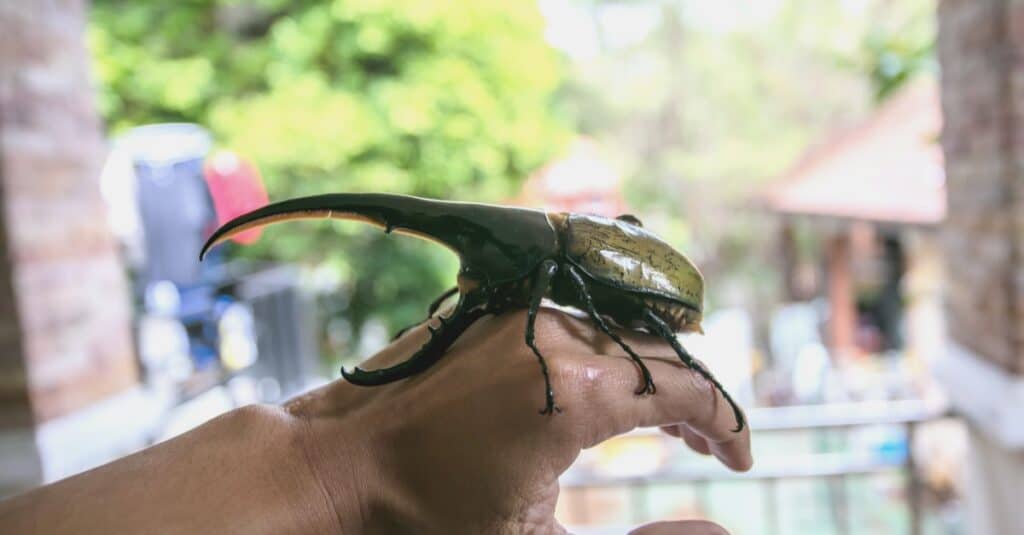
x=612 y=269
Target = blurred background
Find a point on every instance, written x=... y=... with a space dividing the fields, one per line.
x=846 y=173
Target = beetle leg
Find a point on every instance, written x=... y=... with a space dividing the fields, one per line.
x=545 y=273
x=405 y=329
x=659 y=327
x=468 y=310
x=436 y=304
x=441 y=299
x=581 y=285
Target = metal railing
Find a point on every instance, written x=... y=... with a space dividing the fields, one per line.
x=834 y=467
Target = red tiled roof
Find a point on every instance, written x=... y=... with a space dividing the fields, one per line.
x=580 y=181
x=889 y=168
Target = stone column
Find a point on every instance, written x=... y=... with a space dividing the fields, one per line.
x=65 y=316
x=981 y=50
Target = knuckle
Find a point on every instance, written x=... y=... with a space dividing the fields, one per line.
x=566 y=375
x=700 y=396
x=583 y=375
x=550 y=322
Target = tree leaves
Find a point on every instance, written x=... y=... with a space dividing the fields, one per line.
x=441 y=98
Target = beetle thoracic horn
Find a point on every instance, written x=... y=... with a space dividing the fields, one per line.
x=487 y=238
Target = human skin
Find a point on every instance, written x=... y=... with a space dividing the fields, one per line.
x=460 y=448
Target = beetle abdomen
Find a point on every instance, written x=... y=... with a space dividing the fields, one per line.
x=628 y=257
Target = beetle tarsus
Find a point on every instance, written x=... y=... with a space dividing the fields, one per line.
x=436 y=304
x=545 y=273
x=466 y=312
x=659 y=327
x=550 y=408
x=648 y=386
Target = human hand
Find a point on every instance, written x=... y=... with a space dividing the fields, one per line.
x=461 y=447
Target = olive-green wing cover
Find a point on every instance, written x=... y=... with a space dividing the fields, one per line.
x=629 y=257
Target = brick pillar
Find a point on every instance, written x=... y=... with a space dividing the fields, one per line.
x=982 y=81
x=65 y=317
x=981 y=50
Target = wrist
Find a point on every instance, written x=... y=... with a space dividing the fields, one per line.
x=288 y=479
x=335 y=469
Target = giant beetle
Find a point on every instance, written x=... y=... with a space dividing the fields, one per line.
x=612 y=269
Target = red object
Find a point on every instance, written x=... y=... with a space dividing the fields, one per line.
x=236 y=188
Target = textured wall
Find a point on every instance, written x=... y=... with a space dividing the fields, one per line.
x=981 y=50
x=65 y=338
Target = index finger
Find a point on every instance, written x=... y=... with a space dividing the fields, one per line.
x=606 y=388
x=606 y=396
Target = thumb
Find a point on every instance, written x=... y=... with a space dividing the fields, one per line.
x=680 y=527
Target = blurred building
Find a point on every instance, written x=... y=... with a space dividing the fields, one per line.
x=870 y=200
x=862 y=263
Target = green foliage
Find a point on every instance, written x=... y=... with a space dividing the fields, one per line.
x=901 y=47
x=441 y=98
x=710 y=111
x=716 y=99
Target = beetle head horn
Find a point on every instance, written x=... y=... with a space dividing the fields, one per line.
x=496 y=241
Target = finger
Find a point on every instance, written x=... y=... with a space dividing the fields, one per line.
x=709 y=432
x=696 y=442
x=672 y=430
x=680 y=527
x=693 y=440
x=604 y=388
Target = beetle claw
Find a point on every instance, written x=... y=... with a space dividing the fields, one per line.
x=647 y=388
x=551 y=409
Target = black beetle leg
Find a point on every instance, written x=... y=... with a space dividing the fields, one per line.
x=581 y=285
x=430 y=311
x=660 y=328
x=404 y=330
x=469 y=309
x=436 y=304
x=545 y=273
